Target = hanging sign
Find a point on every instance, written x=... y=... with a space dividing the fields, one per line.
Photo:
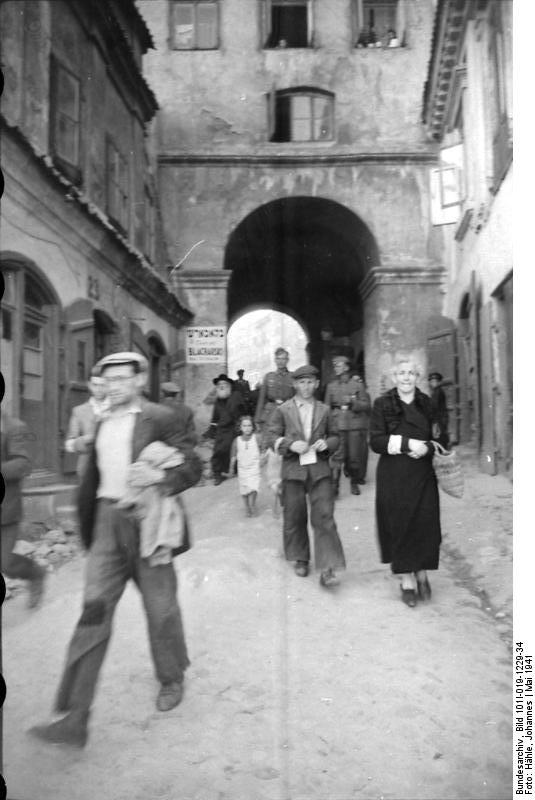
x=206 y=345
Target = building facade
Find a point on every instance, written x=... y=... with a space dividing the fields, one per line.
x=293 y=159
x=468 y=112
x=83 y=264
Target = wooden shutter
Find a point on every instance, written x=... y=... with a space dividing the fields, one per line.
x=264 y=21
x=310 y=23
x=272 y=113
x=357 y=19
x=401 y=22
x=488 y=453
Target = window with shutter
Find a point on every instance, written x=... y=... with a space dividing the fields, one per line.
x=195 y=25
x=65 y=120
x=117 y=186
x=287 y=23
x=302 y=115
x=378 y=23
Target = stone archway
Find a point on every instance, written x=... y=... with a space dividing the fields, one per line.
x=306 y=254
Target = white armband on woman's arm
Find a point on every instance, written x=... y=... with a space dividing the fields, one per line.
x=394 y=445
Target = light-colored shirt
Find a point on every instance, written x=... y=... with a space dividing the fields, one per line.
x=305 y=409
x=114 y=451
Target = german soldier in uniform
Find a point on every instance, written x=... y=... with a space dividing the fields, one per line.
x=276 y=387
x=350 y=404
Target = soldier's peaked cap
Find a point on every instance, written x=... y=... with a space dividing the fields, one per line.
x=340 y=357
x=306 y=371
x=115 y=359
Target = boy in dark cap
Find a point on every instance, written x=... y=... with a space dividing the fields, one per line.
x=303 y=432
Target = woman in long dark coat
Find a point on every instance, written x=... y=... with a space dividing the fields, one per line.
x=406 y=501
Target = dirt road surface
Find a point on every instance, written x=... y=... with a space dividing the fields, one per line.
x=294 y=692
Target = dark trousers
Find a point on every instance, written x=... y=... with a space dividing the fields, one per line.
x=112 y=560
x=13 y=564
x=328 y=549
x=352 y=454
x=221 y=452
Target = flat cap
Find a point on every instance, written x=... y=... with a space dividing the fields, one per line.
x=170 y=388
x=336 y=358
x=114 y=359
x=306 y=371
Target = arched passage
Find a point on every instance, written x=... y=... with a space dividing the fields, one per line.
x=308 y=255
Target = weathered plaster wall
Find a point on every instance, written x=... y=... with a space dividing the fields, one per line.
x=208 y=202
x=215 y=101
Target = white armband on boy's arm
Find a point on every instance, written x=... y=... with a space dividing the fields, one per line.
x=278 y=442
x=394 y=445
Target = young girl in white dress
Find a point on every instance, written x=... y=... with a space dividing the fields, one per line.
x=247 y=454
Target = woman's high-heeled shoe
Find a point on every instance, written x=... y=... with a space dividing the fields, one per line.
x=424 y=590
x=408 y=596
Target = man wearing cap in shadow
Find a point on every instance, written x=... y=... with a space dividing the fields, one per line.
x=173 y=398
x=439 y=405
x=304 y=433
x=228 y=408
x=350 y=404
x=111 y=536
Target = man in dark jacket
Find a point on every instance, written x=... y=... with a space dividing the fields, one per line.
x=303 y=432
x=228 y=408
x=111 y=535
x=16 y=464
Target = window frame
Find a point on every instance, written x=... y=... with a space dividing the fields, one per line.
x=117 y=186
x=71 y=169
x=195 y=4
x=275 y=100
x=359 y=23
x=266 y=23
x=499 y=108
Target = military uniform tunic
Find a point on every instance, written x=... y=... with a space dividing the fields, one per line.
x=277 y=387
x=350 y=405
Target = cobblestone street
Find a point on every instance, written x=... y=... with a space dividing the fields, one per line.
x=294 y=692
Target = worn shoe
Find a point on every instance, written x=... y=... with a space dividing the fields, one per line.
x=71 y=730
x=329 y=578
x=408 y=596
x=169 y=696
x=355 y=488
x=36 y=589
x=301 y=568
x=424 y=590
x=218 y=479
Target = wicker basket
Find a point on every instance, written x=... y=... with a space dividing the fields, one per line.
x=448 y=470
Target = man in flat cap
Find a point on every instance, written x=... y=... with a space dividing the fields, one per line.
x=83 y=421
x=277 y=386
x=228 y=408
x=173 y=398
x=350 y=403
x=303 y=432
x=111 y=536
x=439 y=404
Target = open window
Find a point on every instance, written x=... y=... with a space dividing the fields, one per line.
x=379 y=23
x=195 y=25
x=65 y=120
x=286 y=23
x=301 y=115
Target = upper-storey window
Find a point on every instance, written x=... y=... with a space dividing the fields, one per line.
x=301 y=115
x=286 y=23
x=117 y=186
x=194 y=25
x=378 y=23
x=65 y=120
